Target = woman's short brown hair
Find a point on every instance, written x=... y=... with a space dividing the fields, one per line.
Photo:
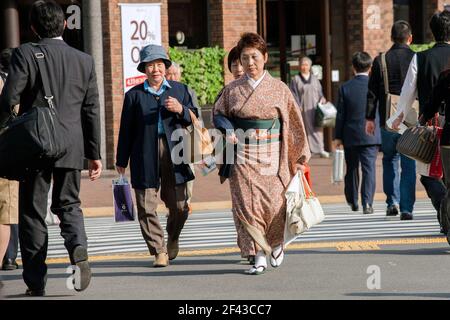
x=232 y=57
x=252 y=40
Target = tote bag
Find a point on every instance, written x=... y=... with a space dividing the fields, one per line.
x=303 y=209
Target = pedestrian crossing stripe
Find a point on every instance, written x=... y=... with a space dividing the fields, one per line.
x=212 y=231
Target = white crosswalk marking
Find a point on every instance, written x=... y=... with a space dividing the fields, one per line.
x=216 y=230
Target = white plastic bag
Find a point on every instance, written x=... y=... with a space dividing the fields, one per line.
x=303 y=210
x=338 y=167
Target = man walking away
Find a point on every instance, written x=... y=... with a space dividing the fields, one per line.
x=74 y=88
x=423 y=75
x=359 y=147
x=399 y=171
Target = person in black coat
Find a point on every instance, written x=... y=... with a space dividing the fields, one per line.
x=75 y=96
x=423 y=74
x=440 y=101
x=153 y=120
x=399 y=171
x=359 y=147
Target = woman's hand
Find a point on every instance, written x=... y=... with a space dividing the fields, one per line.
x=121 y=170
x=323 y=100
x=397 y=122
x=301 y=165
x=232 y=139
x=173 y=105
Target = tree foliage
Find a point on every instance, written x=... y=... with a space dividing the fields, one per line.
x=202 y=71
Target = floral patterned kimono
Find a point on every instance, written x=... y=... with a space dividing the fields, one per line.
x=262 y=171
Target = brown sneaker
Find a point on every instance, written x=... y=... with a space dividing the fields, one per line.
x=172 y=249
x=161 y=260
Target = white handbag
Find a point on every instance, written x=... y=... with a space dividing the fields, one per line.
x=303 y=209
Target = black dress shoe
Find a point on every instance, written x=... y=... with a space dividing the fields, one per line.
x=392 y=211
x=354 y=207
x=406 y=216
x=83 y=271
x=35 y=293
x=368 y=210
x=9 y=265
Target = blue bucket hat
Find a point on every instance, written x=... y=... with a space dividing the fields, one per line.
x=151 y=53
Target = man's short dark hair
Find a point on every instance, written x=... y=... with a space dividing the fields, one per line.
x=440 y=26
x=362 y=62
x=5 y=59
x=401 y=31
x=47 y=18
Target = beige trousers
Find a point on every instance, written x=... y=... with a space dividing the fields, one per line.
x=175 y=198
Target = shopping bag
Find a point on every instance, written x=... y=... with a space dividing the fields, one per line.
x=433 y=169
x=338 y=167
x=303 y=209
x=123 y=201
x=325 y=116
x=198 y=144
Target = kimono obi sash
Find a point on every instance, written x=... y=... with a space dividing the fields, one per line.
x=259 y=131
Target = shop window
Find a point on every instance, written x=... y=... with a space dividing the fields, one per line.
x=188 y=23
x=72 y=35
x=412 y=11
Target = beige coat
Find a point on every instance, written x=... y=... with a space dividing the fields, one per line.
x=9 y=207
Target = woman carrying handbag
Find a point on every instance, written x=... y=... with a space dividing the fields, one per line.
x=441 y=102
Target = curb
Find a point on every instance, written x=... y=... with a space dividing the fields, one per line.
x=202 y=207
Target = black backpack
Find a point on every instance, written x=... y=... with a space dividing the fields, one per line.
x=32 y=141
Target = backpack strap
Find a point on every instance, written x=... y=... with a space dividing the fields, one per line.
x=384 y=70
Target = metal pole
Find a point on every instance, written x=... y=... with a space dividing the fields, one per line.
x=11 y=25
x=326 y=59
x=93 y=45
x=282 y=36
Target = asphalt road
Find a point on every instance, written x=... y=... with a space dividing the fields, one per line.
x=393 y=272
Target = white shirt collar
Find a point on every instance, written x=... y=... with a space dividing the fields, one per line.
x=255 y=83
x=58 y=38
x=362 y=74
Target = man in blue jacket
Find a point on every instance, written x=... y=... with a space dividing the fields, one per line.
x=151 y=113
x=359 y=147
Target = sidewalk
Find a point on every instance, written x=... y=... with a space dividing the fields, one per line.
x=209 y=194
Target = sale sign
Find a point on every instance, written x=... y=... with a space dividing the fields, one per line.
x=141 y=26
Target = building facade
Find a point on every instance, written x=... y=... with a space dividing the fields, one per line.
x=328 y=31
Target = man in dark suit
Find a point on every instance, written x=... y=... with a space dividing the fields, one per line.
x=154 y=117
x=359 y=147
x=74 y=89
x=398 y=185
x=423 y=75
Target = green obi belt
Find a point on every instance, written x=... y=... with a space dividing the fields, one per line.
x=265 y=131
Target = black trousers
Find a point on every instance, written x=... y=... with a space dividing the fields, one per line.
x=366 y=156
x=33 y=234
x=444 y=216
x=435 y=189
x=13 y=246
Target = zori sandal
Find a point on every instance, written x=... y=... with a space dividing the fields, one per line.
x=257 y=270
x=276 y=261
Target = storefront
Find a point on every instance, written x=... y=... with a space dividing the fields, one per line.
x=328 y=31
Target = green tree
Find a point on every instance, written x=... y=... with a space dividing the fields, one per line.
x=202 y=71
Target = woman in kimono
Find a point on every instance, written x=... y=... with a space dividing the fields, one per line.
x=308 y=93
x=269 y=154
